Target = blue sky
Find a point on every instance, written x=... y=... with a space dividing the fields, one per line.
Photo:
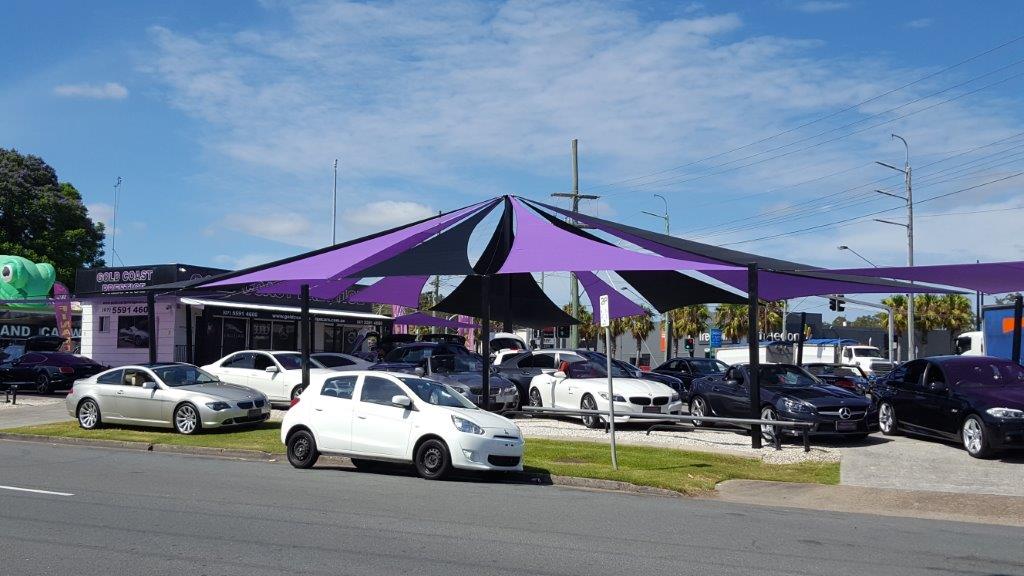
x=224 y=118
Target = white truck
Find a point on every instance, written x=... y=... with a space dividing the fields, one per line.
x=816 y=350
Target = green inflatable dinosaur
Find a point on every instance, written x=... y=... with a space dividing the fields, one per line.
x=23 y=279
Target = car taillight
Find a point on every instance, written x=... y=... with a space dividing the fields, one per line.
x=67 y=370
x=295 y=401
x=71 y=391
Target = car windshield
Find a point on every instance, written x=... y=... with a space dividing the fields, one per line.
x=589 y=369
x=506 y=344
x=843 y=371
x=175 y=375
x=330 y=361
x=782 y=375
x=867 y=353
x=436 y=393
x=708 y=366
x=986 y=373
x=456 y=363
x=293 y=361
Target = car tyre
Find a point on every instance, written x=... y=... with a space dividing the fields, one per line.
x=302 y=452
x=43 y=385
x=699 y=407
x=974 y=437
x=186 y=419
x=297 y=391
x=88 y=414
x=591 y=421
x=768 y=432
x=535 y=400
x=433 y=461
x=887 y=419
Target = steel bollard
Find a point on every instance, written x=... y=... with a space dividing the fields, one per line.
x=807 y=439
x=14 y=393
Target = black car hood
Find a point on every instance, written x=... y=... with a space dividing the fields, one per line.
x=994 y=396
x=820 y=395
x=472 y=380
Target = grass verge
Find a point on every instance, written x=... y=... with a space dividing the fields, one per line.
x=679 y=470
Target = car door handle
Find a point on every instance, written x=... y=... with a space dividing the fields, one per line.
x=361 y=417
x=318 y=409
x=120 y=391
x=714 y=388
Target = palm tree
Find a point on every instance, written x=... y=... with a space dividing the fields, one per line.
x=689 y=321
x=898 y=303
x=956 y=314
x=616 y=327
x=587 y=329
x=769 y=316
x=640 y=327
x=927 y=314
x=732 y=319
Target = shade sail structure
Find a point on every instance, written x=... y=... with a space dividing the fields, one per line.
x=670 y=290
x=991 y=278
x=421 y=319
x=520 y=299
x=399 y=290
x=323 y=289
x=618 y=305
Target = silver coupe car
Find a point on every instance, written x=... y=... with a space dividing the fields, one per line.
x=164 y=395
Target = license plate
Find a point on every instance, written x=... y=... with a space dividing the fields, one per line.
x=844 y=426
x=652 y=409
x=255 y=412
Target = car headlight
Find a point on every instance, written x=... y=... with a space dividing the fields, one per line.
x=618 y=397
x=674 y=398
x=463 y=425
x=1007 y=413
x=218 y=405
x=795 y=406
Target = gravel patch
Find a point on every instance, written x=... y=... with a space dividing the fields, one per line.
x=720 y=441
x=25 y=400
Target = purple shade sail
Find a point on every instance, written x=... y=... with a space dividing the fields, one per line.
x=540 y=247
x=401 y=290
x=782 y=286
x=988 y=277
x=421 y=319
x=323 y=289
x=618 y=305
x=349 y=258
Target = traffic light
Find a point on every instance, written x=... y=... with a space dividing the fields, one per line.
x=563 y=331
x=836 y=304
x=689 y=344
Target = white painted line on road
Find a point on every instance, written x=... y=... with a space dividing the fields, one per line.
x=34 y=491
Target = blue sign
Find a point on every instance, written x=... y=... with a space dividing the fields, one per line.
x=716 y=338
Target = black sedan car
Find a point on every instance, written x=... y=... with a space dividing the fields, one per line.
x=689 y=369
x=788 y=392
x=39 y=365
x=844 y=376
x=975 y=400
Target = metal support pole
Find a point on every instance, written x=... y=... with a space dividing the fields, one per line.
x=334 y=210
x=800 y=339
x=506 y=279
x=151 y=319
x=485 y=341
x=574 y=283
x=755 y=357
x=304 y=333
x=1018 y=306
x=189 y=347
x=611 y=395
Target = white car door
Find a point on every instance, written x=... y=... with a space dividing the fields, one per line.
x=379 y=427
x=332 y=413
x=234 y=369
x=567 y=392
x=276 y=385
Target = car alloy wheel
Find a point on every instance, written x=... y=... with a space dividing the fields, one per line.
x=698 y=407
x=432 y=460
x=767 y=431
x=887 y=419
x=297 y=391
x=186 y=419
x=973 y=436
x=535 y=400
x=593 y=420
x=88 y=415
x=302 y=452
x=43 y=384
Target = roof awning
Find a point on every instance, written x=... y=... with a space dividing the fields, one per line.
x=291 y=309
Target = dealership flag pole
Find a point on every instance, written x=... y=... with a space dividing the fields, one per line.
x=606 y=323
x=151 y=319
x=304 y=333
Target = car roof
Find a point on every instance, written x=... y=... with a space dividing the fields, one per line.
x=965 y=360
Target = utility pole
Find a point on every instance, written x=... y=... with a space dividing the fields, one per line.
x=911 y=352
x=334 y=210
x=668 y=314
x=574 y=283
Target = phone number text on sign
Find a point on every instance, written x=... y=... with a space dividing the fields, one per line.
x=129 y=309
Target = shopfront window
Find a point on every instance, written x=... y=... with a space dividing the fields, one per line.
x=234 y=335
x=261 y=334
x=285 y=336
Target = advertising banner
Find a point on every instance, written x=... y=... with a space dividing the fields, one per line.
x=62 y=311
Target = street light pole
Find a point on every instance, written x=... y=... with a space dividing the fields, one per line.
x=668 y=315
x=858 y=254
x=907 y=180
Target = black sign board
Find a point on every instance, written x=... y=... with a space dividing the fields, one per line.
x=133 y=279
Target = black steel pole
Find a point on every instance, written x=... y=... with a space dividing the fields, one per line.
x=485 y=341
x=304 y=333
x=151 y=319
x=800 y=338
x=1018 y=306
x=977 y=309
x=753 y=347
x=189 y=347
x=506 y=279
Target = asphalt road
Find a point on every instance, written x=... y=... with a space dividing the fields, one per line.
x=142 y=513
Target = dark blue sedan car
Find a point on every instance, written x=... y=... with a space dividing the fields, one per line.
x=788 y=392
x=975 y=400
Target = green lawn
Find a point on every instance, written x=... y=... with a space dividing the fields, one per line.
x=679 y=470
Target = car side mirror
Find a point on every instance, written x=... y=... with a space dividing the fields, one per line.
x=402 y=401
x=559 y=374
x=149 y=385
x=937 y=386
x=732 y=382
x=271 y=369
x=419 y=371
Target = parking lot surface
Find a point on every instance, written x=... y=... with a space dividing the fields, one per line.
x=32 y=409
x=142 y=514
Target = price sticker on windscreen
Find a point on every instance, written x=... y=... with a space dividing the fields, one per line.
x=605 y=321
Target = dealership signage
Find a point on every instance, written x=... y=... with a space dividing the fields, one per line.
x=132 y=279
x=29 y=330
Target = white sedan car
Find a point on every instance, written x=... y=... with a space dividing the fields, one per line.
x=340 y=361
x=388 y=416
x=584 y=386
x=276 y=374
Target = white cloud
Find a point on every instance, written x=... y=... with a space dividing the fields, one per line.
x=920 y=23
x=385 y=214
x=107 y=91
x=274 y=224
x=818 y=6
x=243 y=261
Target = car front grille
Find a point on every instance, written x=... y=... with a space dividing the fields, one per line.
x=250 y=404
x=660 y=400
x=245 y=405
x=503 y=460
x=640 y=400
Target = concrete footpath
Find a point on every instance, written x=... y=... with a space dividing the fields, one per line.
x=977 y=508
x=32 y=410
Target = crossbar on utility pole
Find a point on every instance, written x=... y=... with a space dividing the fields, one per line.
x=668 y=314
x=909 y=199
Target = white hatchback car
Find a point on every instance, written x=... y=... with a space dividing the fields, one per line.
x=386 y=416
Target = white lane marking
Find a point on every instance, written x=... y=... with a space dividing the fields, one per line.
x=34 y=491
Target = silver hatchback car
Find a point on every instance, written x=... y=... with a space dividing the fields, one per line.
x=164 y=395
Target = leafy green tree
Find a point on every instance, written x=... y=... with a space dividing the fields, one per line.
x=898 y=303
x=732 y=319
x=45 y=220
x=640 y=327
x=956 y=314
x=587 y=329
x=1007 y=298
x=689 y=321
x=769 y=316
x=927 y=314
